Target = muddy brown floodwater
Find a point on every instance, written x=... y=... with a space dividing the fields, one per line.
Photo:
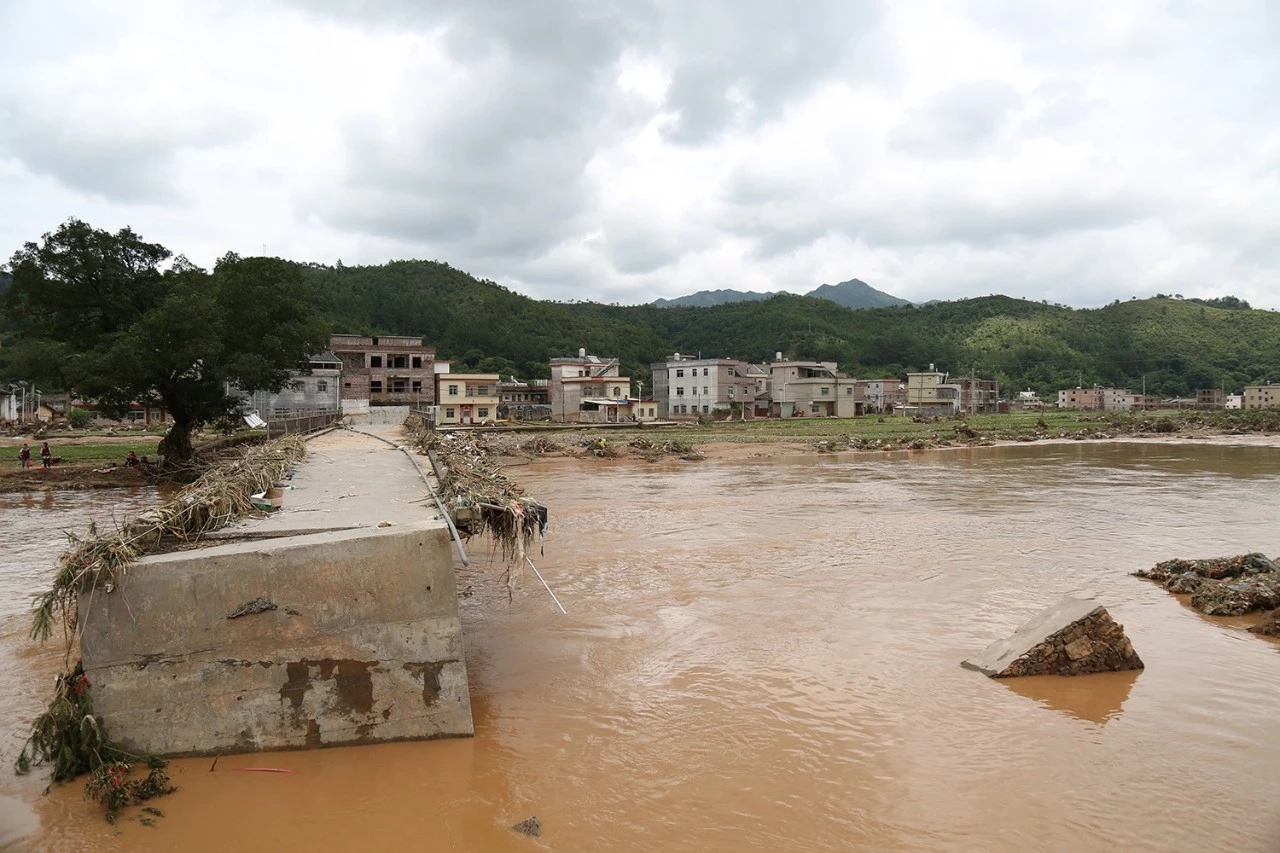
x=764 y=655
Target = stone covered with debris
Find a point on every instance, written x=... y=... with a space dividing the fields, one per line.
x=1076 y=636
x=1221 y=586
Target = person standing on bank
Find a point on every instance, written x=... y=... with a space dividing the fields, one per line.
x=24 y=456
x=46 y=455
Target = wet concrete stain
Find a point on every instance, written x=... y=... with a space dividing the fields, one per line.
x=313 y=735
x=298 y=684
x=352 y=683
x=430 y=675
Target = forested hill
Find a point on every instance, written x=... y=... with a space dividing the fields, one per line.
x=1178 y=345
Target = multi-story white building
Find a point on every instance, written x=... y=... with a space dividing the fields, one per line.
x=811 y=389
x=586 y=383
x=929 y=393
x=687 y=387
x=884 y=395
x=317 y=390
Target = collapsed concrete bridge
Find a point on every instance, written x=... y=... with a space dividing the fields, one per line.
x=331 y=621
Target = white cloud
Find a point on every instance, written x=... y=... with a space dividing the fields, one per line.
x=1074 y=151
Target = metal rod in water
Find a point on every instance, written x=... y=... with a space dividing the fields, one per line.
x=544 y=583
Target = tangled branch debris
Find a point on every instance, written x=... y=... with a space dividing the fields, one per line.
x=482 y=498
x=67 y=735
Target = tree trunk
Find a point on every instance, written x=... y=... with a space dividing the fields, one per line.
x=176 y=446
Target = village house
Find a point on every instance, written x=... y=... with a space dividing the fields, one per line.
x=645 y=411
x=1261 y=396
x=1211 y=398
x=978 y=396
x=1235 y=402
x=525 y=401
x=137 y=416
x=687 y=387
x=589 y=389
x=1028 y=400
x=318 y=390
x=1080 y=398
x=1124 y=400
x=884 y=395
x=390 y=370
x=811 y=389
x=929 y=393
x=466 y=398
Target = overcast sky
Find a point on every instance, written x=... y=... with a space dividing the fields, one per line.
x=622 y=150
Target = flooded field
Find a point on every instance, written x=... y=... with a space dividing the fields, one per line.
x=764 y=654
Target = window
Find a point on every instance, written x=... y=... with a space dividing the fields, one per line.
x=704 y=390
x=400 y=361
x=375 y=386
x=346 y=384
x=704 y=371
x=680 y=373
x=695 y=390
x=617 y=392
x=375 y=361
x=417 y=362
x=448 y=413
x=417 y=386
x=731 y=390
x=322 y=385
x=814 y=408
x=679 y=391
x=825 y=390
x=399 y=386
x=706 y=410
x=849 y=391
x=482 y=391
x=453 y=390
x=483 y=411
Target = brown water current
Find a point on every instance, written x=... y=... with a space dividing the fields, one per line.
x=764 y=655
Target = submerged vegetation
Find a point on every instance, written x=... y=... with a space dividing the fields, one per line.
x=67 y=735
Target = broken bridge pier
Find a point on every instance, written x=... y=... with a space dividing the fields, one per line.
x=331 y=621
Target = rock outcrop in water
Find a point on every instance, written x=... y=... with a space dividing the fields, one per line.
x=1076 y=636
x=1222 y=586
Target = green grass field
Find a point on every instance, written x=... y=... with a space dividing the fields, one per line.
x=115 y=451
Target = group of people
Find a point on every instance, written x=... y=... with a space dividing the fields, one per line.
x=46 y=456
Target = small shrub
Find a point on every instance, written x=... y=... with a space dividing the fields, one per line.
x=79 y=418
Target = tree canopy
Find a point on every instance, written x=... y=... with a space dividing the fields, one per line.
x=1177 y=345
x=115 y=319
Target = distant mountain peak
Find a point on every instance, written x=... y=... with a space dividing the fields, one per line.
x=706 y=298
x=856 y=293
x=853 y=293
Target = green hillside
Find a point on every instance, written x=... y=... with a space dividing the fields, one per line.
x=1178 y=345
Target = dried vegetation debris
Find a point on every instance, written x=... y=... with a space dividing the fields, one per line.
x=481 y=498
x=67 y=735
x=1221 y=586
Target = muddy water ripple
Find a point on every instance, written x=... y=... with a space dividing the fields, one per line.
x=763 y=655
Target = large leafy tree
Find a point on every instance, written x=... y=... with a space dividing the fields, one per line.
x=113 y=318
